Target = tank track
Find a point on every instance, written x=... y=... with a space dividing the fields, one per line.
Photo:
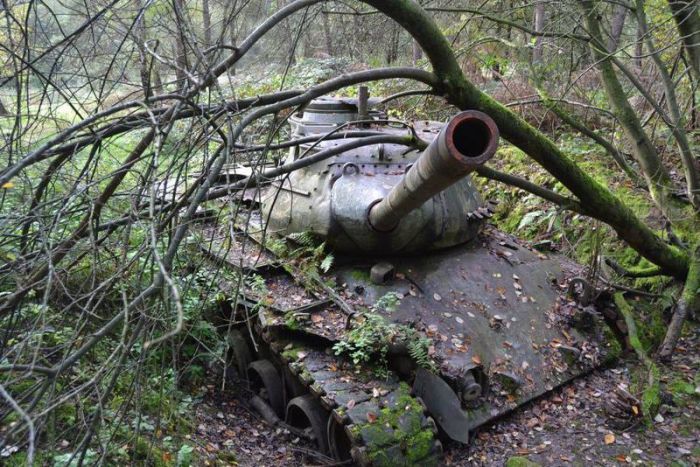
x=350 y=412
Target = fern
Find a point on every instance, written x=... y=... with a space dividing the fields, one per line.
x=327 y=263
x=418 y=350
x=305 y=238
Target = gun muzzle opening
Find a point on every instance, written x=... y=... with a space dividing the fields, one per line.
x=465 y=143
x=472 y=137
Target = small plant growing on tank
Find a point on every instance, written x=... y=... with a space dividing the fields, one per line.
x=388 y=302
x=368 y=338
x=373 y=335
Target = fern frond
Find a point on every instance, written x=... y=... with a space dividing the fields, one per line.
x=327 y=263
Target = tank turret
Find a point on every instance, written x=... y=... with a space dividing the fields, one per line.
x=384 y=198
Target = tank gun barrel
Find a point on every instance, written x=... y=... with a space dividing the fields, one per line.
x=464 y=144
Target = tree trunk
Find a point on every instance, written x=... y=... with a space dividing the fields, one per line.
x=657 y=177
x=618 y=24
x=140 y=34
x=538 y=27
x=157 y=80
x=678 y=124
x=206 y=23
x=417 y=52
x=181 y=60
x=327 y=35
x=638 y=49
x=685 y=13
x=689 y=303
x=233 y=40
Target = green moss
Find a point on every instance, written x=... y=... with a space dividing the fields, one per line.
x=19 y=459
x=399 y=424
x=377 y=434
x=683 y=392
x=359 y=275
x=651 y=397
x=519 y=461
x=145 y=450
x=291 y=322
x=228 y=457
x=614 y=348
x=292 y=354
x=421 y=445
x=650 y=380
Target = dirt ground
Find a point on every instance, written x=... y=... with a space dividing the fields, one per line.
x=588 y=422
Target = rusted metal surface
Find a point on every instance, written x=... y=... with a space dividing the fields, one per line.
x=493 y=308
x=466 y=142
x=332 y=198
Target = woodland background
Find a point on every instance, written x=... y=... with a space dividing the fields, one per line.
x=107 y=106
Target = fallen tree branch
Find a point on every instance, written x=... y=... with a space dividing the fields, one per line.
x=512 y=180
x=688 y=303
x=650 y=394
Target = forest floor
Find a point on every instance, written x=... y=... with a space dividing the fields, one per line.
x=572 y=425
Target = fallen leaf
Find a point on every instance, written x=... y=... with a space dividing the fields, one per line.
x=8 y=185
x=371 y=417
x=476 y=359
x=351 y=404
x=437 y=297
x=609 y=438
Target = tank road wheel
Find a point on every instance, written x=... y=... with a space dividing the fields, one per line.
x=263 y=376
x=305 y=412
x=339 y=443
x=238 y=354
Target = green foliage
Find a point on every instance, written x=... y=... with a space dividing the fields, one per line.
x=365 y=340
x=418 y=349
x=184 y=456
x=388 y=302
x=64 y=460
x=371 y=338
x=310 y=257
x=519 y=461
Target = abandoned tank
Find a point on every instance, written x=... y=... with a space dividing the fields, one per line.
x=494 y=316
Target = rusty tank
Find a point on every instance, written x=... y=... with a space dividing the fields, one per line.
x=494 y=315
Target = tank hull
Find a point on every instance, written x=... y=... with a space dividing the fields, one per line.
x=497 y=315
x=494 y=309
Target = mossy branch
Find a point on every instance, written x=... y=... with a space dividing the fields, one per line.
x=634 y=273
x=689 y=303
x=574 y=123
x=537 y=190
x=650 y=395
x=596 y=200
